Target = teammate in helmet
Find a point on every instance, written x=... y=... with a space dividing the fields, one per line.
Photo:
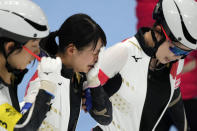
x=22 y=26
x=149 y=65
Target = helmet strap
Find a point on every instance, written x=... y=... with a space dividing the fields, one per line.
x=15 y=71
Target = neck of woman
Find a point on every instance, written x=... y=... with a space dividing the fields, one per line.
x=65 y=60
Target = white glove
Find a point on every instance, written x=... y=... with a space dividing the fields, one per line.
x=92 y=75
x=32 y=91
x=48 y=71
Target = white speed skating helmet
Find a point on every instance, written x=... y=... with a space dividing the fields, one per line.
x=179 y=19
x=22 y=20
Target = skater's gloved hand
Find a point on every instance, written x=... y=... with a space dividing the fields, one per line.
x=49 y=70
x=92 y=75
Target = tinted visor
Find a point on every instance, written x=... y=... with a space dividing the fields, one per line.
x=178 y=52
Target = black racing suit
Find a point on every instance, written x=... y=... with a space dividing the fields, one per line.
x=100 y=100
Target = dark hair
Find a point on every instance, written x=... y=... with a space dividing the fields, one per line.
x=4 y=41
x=79 y=29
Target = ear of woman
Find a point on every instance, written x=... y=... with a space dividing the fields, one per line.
x=71 y=49
x=8 y=47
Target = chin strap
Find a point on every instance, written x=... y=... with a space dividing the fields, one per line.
x=30 y=52
x=15 y=71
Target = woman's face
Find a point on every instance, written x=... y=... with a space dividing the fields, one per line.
x=20 y=58
x=85 y=59
x=164 y=53
x=169 y=50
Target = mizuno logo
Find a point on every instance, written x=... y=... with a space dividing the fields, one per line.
x=185 y=31
x=136 y=59
x=47 y=73
x=59 y=84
